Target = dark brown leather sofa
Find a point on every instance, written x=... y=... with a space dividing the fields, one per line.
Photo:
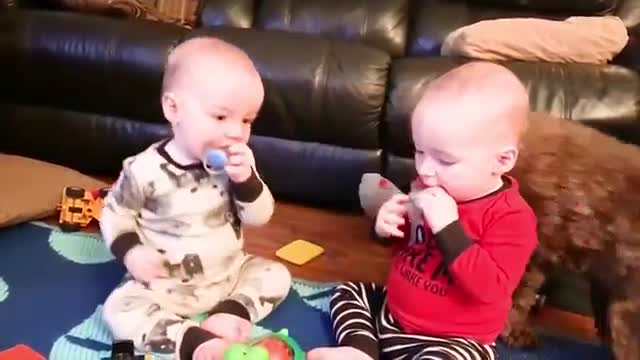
x=340 y=76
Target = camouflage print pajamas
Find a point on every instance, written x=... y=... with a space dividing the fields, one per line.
x=195 y=220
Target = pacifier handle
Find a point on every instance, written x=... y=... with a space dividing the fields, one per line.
x=215 y=161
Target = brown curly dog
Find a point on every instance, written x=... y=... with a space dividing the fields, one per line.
x=585 y=189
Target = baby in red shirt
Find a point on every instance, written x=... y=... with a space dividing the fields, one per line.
x=464 y=234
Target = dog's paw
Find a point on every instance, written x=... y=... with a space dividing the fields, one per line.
x=522 y=337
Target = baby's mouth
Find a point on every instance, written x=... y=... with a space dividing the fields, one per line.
x=426 y=182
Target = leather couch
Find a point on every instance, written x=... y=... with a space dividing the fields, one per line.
x=341 y=78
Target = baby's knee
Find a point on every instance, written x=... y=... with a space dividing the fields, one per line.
x=117 y=321
x=124 y=314
x=280 y=277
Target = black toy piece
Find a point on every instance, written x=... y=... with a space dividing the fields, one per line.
x=124 y=350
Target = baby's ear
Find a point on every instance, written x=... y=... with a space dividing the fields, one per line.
x=506 y=160
x=170 y=107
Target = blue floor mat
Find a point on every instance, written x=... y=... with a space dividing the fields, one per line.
x=53 y=284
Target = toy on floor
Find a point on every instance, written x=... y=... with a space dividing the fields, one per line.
x=124 y=350
x=299 y=252
x=375 y=190
x=79 y=207
x=215 y=161
x=21 y=352
x=273 y=346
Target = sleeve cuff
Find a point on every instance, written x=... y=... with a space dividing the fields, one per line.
x=123 y=243
x=452 y=241
x=231 y=307
x=249 y=190
x=193 y=337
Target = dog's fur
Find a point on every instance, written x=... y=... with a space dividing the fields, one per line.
x=585 y=189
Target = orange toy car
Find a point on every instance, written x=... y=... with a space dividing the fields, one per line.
x=79 y=207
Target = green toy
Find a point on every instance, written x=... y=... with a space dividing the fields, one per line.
x=246 y=352
x=274 y=346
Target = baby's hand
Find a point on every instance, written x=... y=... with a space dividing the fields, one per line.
x=145 y=264
x=238 y=167
x=231 y=328
x=213 y=349
x=391 y=216
x=438 y=207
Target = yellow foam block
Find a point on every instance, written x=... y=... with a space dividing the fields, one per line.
x=299 y=252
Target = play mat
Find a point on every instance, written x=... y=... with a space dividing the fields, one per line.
x=52 y=285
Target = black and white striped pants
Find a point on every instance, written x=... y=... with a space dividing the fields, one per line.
x=361 y=319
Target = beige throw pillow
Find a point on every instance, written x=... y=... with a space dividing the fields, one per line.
x=30 y=189
x=581 y=39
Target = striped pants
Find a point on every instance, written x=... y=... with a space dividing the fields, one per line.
x=362 y=320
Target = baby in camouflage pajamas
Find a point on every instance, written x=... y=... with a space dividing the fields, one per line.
x=178 y=227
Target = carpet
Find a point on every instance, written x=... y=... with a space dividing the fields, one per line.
x=52 y=285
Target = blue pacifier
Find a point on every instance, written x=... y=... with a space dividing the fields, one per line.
x=215 y=161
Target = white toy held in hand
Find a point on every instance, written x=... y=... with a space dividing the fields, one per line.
x=215 y=161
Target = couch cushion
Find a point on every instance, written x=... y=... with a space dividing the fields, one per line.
x=92 y=64
x=313 y=173
x=31 y=189
x=605 y=97
x=379 y=23
x=316 y=90
x=91 y=143
x=231 y=13
x=581 y=7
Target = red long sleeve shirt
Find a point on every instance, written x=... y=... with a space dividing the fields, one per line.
x=459 y=282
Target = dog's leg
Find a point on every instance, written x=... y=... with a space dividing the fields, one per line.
x=519 y=332
x=624 y=322
x=600 y=296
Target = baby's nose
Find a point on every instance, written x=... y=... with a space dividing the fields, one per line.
x=233 y=131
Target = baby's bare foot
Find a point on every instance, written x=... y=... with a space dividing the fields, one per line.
x=337 y=353
x=211 y=350
x=229 y=327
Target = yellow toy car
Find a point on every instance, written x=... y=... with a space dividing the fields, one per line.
x=78 y=207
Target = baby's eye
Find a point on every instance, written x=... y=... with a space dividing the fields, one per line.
x=447 y=162
x=247 y=121
x=220 y=117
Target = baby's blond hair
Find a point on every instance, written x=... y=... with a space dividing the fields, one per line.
x=218 y=53
x=500 y=92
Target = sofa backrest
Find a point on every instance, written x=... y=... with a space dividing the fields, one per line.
x=84 y=91
x=341 y=79
x=399 y=27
